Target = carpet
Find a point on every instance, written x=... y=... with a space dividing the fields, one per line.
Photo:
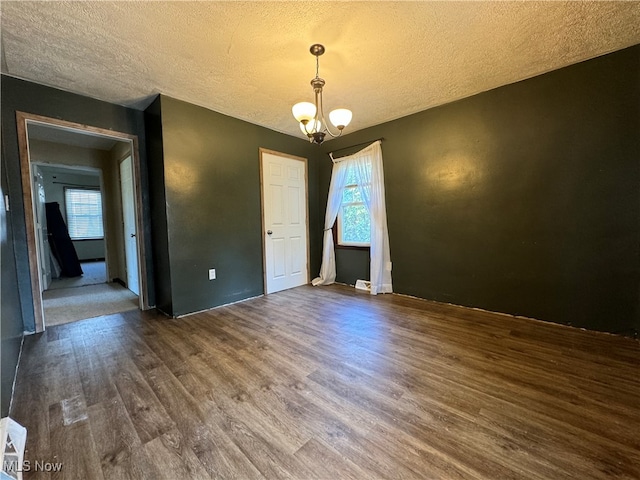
x=66 y=305
x=94 y=273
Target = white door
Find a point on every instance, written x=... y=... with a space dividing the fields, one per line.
x=284 y=203
x=129 y=225
x=42 y=245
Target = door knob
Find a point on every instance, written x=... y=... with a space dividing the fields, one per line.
x=269 y=232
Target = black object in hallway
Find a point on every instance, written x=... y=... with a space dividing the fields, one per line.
x=61 y=245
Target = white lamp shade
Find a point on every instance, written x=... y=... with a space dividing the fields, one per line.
x=304 y=111
x=340 y=117
x=310 y=127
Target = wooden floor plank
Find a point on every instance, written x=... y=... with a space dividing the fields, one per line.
x=73 y=447
x=213 y=451
x=97 y=384
x=115 y=437
x=316 y=383
x=327 y=463
x=34 y=406
x=147 y=414
x=172 y=458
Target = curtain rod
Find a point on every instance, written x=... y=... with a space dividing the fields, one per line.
x=368 y=142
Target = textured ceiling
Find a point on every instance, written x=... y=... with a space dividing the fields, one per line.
x=250 y=60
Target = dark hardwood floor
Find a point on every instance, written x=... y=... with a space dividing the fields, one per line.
x=329 y=383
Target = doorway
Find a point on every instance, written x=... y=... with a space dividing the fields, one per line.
x=284 y=220
x=76 y=192
x=50 y=147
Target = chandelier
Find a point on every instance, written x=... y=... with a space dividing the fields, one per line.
x=311 y=116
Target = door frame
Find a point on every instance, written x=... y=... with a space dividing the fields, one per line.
x=40 y=237
x=306 y=201
x=23 y=119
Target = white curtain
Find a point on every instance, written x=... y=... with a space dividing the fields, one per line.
x=328 y=268
x=371 y=186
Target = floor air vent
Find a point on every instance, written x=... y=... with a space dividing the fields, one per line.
x=13 y=437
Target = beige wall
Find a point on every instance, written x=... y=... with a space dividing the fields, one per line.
x=54 y=182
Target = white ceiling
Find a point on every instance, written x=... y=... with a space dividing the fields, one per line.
x=250 y=60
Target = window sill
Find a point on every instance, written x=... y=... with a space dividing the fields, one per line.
x=351 y=247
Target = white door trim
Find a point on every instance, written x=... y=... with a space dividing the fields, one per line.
x=306 y=200
x=22 y=121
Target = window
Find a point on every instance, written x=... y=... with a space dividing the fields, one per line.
x=84 y=213
x=354 y=222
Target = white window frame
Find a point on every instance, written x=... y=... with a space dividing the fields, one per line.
x=69 y=214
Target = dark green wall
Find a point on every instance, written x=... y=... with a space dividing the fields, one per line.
x=524 y=199
x=10 y=311
x=211 y=175
x=353 y=265
x=160 y=236
x=20 y=95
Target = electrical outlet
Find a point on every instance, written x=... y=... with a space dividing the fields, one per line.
x=212 y=274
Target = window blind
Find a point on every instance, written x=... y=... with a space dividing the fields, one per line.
x=84 y=213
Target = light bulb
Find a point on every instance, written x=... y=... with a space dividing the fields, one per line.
x=304 y=111
x=340 y=117
x=310 y=128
